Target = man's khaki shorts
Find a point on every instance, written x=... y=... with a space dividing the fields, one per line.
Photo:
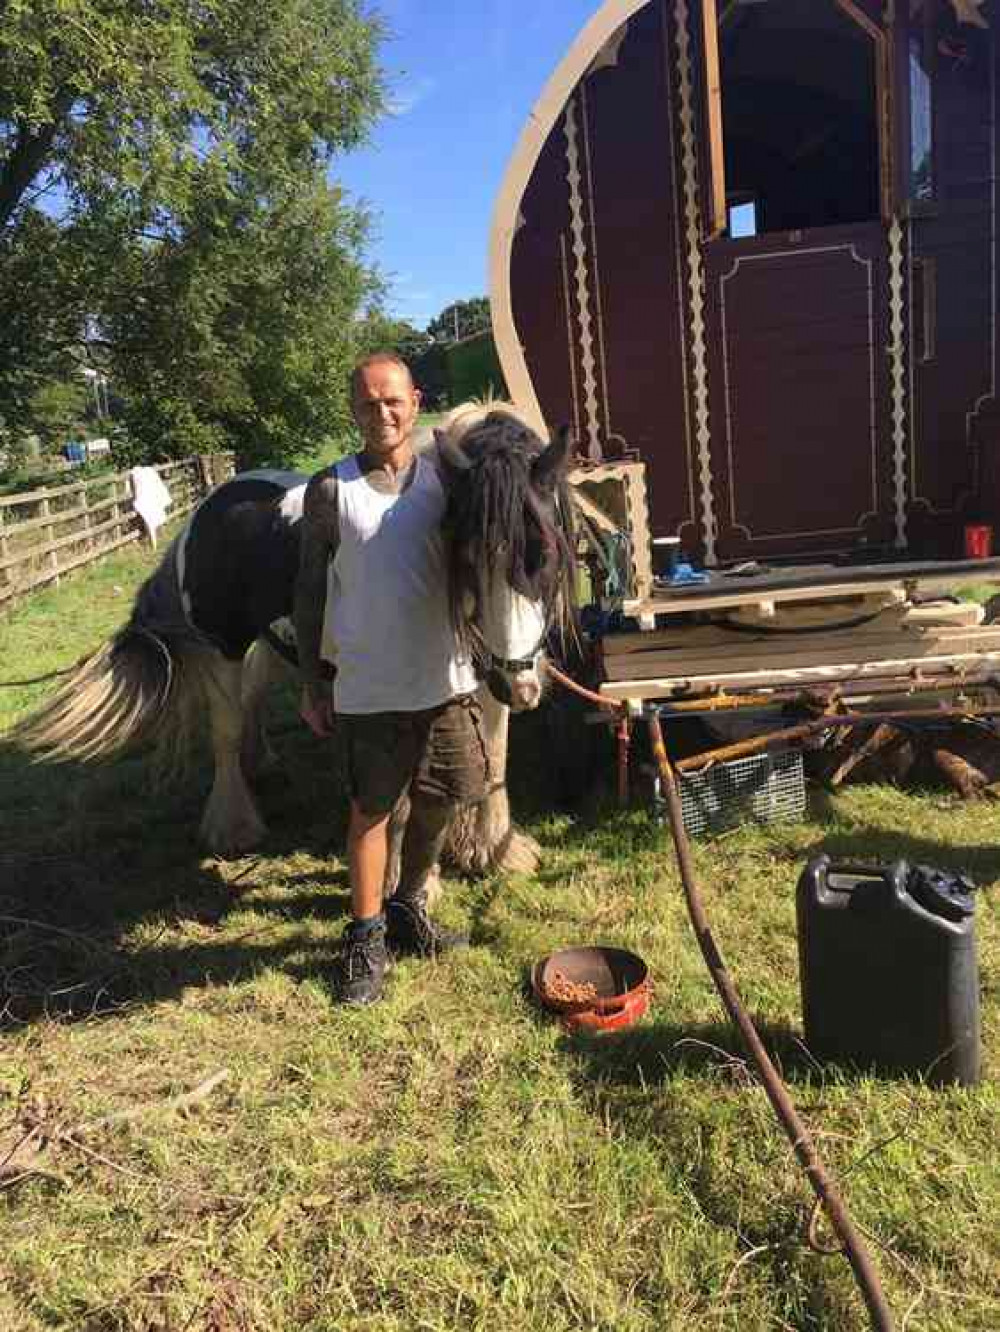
x=439 y=754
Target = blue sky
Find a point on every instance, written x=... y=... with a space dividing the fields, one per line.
x=464 y=75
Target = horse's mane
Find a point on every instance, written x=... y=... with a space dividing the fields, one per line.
x=497 y=519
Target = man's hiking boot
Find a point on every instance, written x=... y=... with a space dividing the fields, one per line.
x=362 y=965
x=410 y=930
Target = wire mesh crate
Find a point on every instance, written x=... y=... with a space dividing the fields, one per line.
x=763 y=787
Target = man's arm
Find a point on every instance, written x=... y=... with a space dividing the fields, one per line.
x=320 y=537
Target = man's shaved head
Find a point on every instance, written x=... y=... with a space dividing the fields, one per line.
x=378 y=358
x=385 y=404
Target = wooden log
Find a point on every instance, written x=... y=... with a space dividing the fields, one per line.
x=794 y=735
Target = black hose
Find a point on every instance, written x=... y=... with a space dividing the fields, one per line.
x=826 y=1192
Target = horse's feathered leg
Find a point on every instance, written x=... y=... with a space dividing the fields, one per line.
x=420 y=849
x=482 y=837
x=261 y=667
x=231 y=823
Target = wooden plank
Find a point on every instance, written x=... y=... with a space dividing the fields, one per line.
x=707 y=642
x=42 y=550
x=832 y=651
x=691 y=634
x=14 y=592
x=793 y=617
x=671 y=687
x=596 y=515
x=663 y=604
x=34 y=496
x=718 y=222
x=45 y=575
x=188 y=491
x=55 y=519
x=5 y=577
x=103 y=478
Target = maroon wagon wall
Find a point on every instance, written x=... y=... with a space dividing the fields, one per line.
x=810 y=389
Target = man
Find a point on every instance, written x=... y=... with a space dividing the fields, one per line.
x=403 y=695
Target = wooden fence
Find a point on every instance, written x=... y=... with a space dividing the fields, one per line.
x=46 y=533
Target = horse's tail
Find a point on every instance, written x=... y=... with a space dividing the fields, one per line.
x=143 y=685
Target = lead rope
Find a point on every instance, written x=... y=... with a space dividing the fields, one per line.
x=827 y=1194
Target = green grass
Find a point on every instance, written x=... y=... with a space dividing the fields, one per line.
x=449 y=1159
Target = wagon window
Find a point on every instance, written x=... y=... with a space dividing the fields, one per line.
x=922 y=43
x=798 y=113
x=743 y=217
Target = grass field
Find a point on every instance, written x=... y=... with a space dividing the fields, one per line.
x=449 y=1159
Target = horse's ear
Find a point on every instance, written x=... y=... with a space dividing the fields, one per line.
x=451 y=456
x=550 y=466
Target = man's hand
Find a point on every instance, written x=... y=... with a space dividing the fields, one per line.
x=316 y=709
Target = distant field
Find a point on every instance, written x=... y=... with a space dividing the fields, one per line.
x=450 y=1159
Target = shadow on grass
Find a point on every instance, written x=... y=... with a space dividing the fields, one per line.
x=878 y=845
x=106 y=898
x=652 y=1053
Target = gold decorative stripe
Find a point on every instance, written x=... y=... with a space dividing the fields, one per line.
x=588 y=365
x=897 y=377
x=696 y=278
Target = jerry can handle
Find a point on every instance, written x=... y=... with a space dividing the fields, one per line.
x=895 y=872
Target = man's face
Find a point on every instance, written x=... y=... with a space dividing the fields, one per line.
x=385 y=407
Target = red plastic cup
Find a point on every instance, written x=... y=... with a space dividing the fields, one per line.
x=978 y=541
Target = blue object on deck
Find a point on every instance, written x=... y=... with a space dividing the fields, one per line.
x=686 y=573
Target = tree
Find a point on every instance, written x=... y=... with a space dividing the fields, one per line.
x=241 y=333
x=378 y=331
x=163 y=184
x=461 y=319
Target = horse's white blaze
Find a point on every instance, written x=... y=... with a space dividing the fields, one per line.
x=514 y=630
x=513 y=624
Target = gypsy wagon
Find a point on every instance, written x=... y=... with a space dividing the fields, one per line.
x=749 y=249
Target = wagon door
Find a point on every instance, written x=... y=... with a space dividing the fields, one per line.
x=949 y=185
x=798 y=281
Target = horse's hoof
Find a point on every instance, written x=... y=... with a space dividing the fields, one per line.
x=521 y=855
x=233 y=838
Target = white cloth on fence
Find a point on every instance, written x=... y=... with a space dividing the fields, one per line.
x=150 y=498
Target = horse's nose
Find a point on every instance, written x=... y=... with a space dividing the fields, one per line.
x=526 y=692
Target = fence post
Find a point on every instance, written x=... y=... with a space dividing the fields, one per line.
x=121 y=502
x=6 y=574
x=85 y=514
x=53 y=555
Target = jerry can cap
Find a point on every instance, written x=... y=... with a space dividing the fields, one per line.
x=942 y=892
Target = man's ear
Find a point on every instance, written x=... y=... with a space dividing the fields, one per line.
x=550 y=466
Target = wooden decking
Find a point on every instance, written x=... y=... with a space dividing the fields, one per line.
x=806 y=626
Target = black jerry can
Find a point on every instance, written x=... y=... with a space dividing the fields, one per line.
x=888 y=981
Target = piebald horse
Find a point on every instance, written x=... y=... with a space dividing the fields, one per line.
x=212 y=624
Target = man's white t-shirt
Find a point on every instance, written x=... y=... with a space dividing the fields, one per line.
x=387 y=626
